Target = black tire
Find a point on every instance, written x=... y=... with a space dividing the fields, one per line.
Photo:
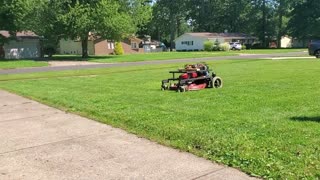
x=317 y=54
x=217 y=82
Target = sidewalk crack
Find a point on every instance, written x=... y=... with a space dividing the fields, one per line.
x=31 y=147
x=212 y=172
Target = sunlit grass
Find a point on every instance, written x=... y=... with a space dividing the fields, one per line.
x=264 y=121
x=12 y=64
x=171 y=55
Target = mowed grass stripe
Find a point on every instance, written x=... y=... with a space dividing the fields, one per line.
x=265 y=120
x=12 y=64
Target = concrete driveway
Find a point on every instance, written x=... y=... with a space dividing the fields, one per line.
x=40 y=142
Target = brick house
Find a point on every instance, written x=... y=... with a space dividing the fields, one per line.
x=99 y=46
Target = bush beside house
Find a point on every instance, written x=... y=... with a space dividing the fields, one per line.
x=216 y=46
x=224 y=47
x=118 y=50
x=208 y=45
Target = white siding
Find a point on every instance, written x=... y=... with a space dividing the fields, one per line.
x=74 y=47
x=22 y=49
x=286 y=42
x=197 y=43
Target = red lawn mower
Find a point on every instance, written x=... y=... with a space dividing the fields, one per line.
x=192 y=77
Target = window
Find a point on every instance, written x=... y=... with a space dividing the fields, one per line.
x=110 y=45
x=134 y=45
x=188 y=43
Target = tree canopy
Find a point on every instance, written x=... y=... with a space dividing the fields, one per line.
x=164 y=20
x=268 y=20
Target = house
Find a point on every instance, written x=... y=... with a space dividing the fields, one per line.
x=99 y=46
x=195 y=41
x=289 y=42
x=24 y=45
x=149 y=45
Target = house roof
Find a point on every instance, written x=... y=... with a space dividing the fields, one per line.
x=217 y=35
x=22 y=34
x=135 y=39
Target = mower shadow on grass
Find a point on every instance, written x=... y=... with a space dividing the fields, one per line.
x=305 y=118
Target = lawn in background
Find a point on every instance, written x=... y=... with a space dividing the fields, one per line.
x=146 y=56
x=12 y=64
x=272 y=51
x=264 y=121
x=171 y=55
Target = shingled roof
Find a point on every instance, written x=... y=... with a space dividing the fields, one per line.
x=22 y=34
x=217 y=35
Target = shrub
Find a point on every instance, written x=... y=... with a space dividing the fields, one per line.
x=257 y=46
x=216 y=46
x=208 y=45
x=224 y=47
x=248 y=46
x=118 y=50
x=243 y=47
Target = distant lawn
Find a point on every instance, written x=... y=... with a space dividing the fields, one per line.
x=12 y=64
x=271 y=51
x=146 y=56
x=264 y=121
x=169 y=55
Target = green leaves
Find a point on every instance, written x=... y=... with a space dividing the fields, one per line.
x=305 y=22
x=74 y=19
x=13 y=15
x=118 y=50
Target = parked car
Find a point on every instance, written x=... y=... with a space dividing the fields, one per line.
x=235 y=46
x=314 y=48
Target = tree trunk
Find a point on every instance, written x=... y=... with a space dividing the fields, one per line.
x=172 y=30
x=178 y=27
x=264 y=16
x=84 y=44
x=280 y=23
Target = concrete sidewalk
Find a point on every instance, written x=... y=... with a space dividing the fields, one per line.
x=40 y=142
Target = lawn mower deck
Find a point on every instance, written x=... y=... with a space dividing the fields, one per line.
x=192 y=77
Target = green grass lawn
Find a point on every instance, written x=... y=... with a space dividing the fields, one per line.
x=170 y=55
x=272 y=51
x=146 y=56
x=264 y=121
x=12 y=64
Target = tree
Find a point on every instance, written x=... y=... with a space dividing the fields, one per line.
x=78 y=19
x=103 y=18
x=43 y=19
x=173 y=15
x=305 y=20
x=13 y=16
x=284 y=7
